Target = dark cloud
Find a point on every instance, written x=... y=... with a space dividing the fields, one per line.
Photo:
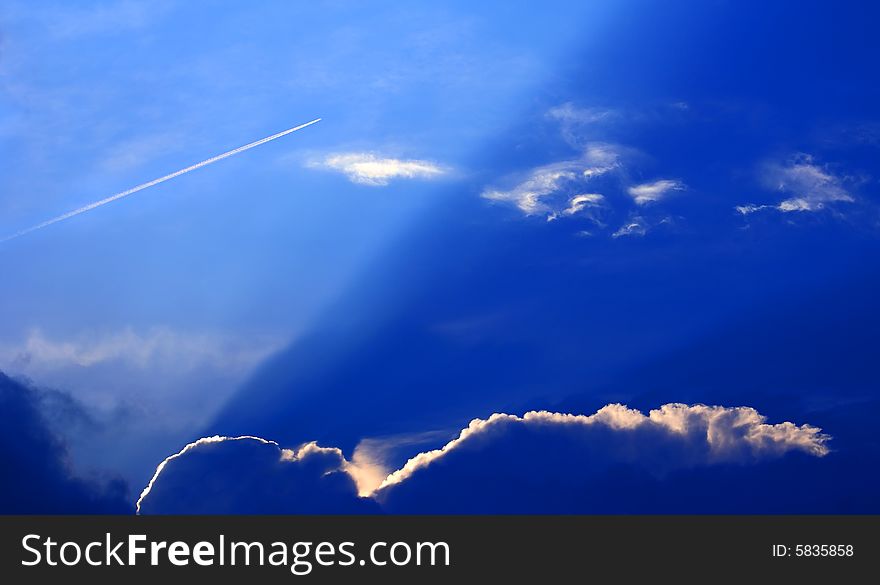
x=37 y=478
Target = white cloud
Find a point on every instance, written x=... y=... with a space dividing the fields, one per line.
x=654 y=191
x=369 y=169
x=578 y=203
x=810 y=186
x=635 y=226
x=570 y=113
x=541 y=182
x=554 y=450
x=750 y=208
x=186 y=449
x=570 y=188
x=374 y=458
x=147 y=389
x=549 y=189
x=728 y=434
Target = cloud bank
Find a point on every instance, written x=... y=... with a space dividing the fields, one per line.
x=539 y=462
x=154 y=348
x=636 y=226
x=37 y=478
x=172 y=381
x=366 y=168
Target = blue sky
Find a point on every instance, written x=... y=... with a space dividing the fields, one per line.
x=503 y=209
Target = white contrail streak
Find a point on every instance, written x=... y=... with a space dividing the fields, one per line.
x=143 y=186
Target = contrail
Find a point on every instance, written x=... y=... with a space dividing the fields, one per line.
x=143 y=186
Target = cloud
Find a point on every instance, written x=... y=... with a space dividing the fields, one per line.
x=569 y=188
x=376 y=457
x=37 y=478
x=369 y=169
x=811 y=187
x=717 y=433
x=586 y=187
x=250 y=475
x=173 y=381
x=580 y=203
x=149 y=349
x=541 y=461
x=550 y=189
x=570 y=113
x=615 y=460
x=751 y=208
x=655 y=191
x=635 y=226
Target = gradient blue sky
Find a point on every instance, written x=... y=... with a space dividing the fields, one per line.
x=503 y=208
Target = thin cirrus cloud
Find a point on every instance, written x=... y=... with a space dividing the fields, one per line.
x=575 y=122
x=809 y=187
x=580 y=203
x=154 y=348
x=635 y=226
x=541 y=461
x=175 y=379
x=654 y=191
x=367 y=168
x=584 y=187
x=557 y=188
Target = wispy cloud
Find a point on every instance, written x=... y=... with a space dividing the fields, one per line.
x=177 y=378
x=582 y=204
x=810 y=187
x=570 y=113
x=655 y=191
x=370 y=169
x=157 y=347
x=576 y=124
x=552 y=189
x=598 y=185
x=635 y=226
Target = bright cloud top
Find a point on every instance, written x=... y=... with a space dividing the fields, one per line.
x=567 y=453
x=369 y=169
x=810 y=186
x=252 y=475
x=635 y=226
x=655 y=191
x=727 y=434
